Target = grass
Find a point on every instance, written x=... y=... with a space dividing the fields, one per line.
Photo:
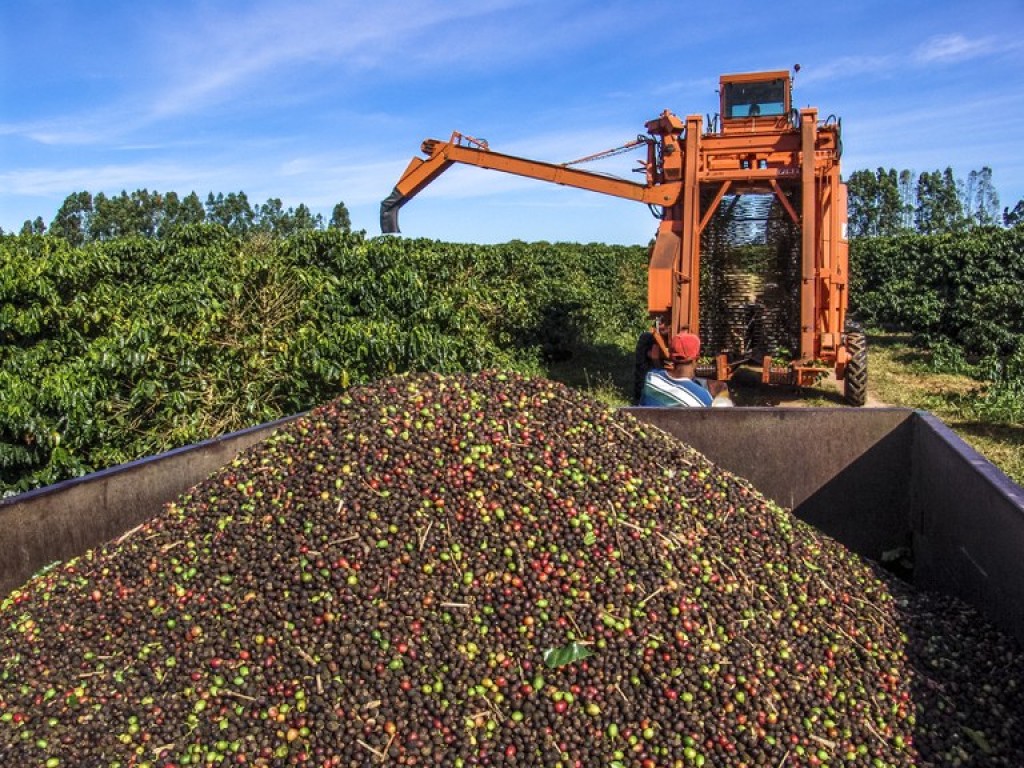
x=604 y=371
x=900 y=374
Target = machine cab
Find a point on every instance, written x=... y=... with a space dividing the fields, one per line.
x=759 y=98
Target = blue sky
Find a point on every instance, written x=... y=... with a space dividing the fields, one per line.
x=320 y=101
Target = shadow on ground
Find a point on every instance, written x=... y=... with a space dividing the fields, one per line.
x=606 y=371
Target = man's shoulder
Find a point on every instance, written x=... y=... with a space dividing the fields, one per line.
x=662 y=390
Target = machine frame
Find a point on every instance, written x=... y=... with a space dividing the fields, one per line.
x=757 y=144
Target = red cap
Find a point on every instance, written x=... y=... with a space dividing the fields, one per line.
x=684 y=346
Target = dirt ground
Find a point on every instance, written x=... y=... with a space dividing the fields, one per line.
x=747 y=390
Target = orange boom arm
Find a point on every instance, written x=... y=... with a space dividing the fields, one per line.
x=461 y=149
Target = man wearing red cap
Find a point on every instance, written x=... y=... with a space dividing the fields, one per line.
x=678 y=384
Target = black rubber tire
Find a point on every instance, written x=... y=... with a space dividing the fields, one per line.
x=855 y=379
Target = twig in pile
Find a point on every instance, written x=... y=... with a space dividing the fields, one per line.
x=380 y=755
x=670 y=586
x=374 y=490
x=873 y=607
x=423 y=538
x=572 y=619
x=236 y=694
x=126 y=534
x=620 y=428
x=849 y=637
x=669 y=541
x=876 y=734
x=476 y=720
x=456 y=605
x=785 y=757
x=624 y=696
x=824 y=742
x=494 y=707
x=631 y=525
x=305 y=656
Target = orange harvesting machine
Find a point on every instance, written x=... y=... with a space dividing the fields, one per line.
x=758 y=145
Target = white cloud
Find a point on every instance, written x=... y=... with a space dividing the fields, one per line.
x=82 y=129
x=955 y=47
x=223 y=53
x=110 y=178
x=844 y=67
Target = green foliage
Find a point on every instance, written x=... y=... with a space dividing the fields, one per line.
x=72 y=219
x=1014 y=217
x=883 y=203
x=566 y=654
x=939 y=207
x=120 y=349
x=875 y=203
x=962 y=287
x=83 y=218
x=960 y=295
x=340 y=218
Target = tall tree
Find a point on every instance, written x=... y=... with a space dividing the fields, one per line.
x=982 y=202
x=232 y=211
x=938 y=203
x=180 y=213
x=340 y=218
x=1014 y=217
x=73 y=218
x=875 y=204
x=304 y=220
x=124 y=215
x=270 y=217
x=861 y=203
x=908 y=199
x=890 y=205
x=951 y=208
x=36 y=227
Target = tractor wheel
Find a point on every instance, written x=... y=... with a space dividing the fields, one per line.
x=856 y=377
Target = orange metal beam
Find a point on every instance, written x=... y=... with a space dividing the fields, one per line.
x=714 y=204
x=686 y=304
x=419 y=173
x=809 y=242
x=781 y=197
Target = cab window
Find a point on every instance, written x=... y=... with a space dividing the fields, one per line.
x=765 y=99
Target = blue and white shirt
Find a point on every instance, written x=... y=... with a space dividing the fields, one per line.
x=661 y=390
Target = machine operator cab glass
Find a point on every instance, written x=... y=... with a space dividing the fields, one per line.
x=755 y=95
